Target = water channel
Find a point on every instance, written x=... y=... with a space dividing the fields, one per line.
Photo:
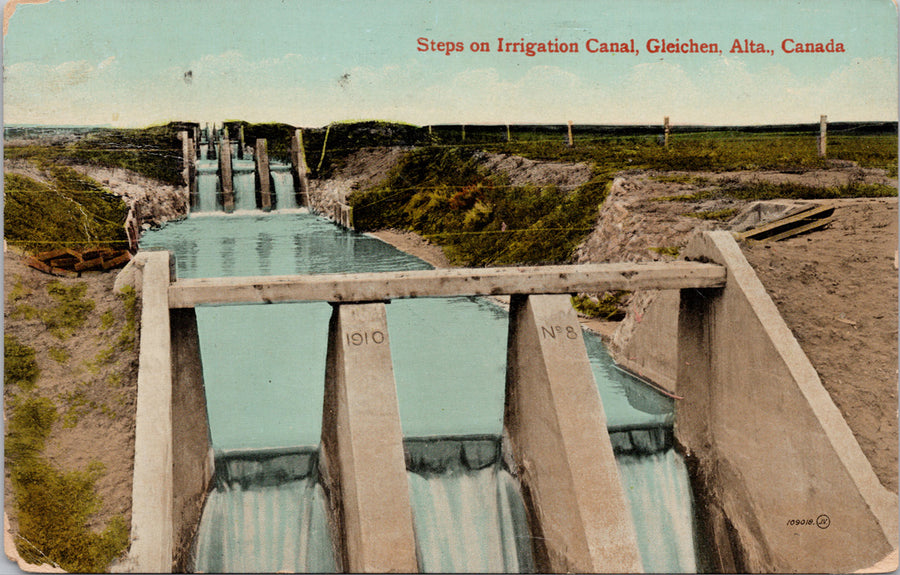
x=264 y=371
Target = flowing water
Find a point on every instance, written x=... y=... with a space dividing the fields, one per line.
x=264 y=369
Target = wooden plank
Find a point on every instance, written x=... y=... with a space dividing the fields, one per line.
x=37 y=264
x=49 y=255
x=89 y=264
x=773 y=228
x=816 y=224
x=63 y=273
x=121 y=259
x=446 y=283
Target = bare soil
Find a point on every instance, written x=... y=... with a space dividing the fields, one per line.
x=837 y=288
x=94 y=392
x=837 y=291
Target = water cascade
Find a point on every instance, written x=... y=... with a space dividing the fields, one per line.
x=246 y=168
x=267 y=513
x=449 y=365
x=285 y=198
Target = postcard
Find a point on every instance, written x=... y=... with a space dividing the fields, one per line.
x=450 y=286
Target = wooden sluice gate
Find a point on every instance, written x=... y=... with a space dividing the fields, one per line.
x=554 y=424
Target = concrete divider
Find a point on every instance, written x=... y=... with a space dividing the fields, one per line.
x=152 y=522
x=262 y=175
x=782 y=479
x=364 y=471
x=192 y=452
x=580 y=517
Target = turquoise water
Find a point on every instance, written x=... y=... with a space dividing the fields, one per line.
x=264 y=371
x=449 y=353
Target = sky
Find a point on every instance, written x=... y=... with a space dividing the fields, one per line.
x=307 y=63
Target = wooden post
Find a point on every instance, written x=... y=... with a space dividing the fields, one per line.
x=507 y=133
x=463 y=132
x=262 y=174
x=298 y=162
x=823 y=133
x=571 y=140
x=666 y=132
x=240 y=153
x=226 y=179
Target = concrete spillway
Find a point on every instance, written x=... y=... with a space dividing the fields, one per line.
x=223 y=176
x=437 y=393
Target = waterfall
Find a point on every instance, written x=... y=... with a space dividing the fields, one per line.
x=655 y=479
x=467 y=509
x=267 y=513
x=207 y=186
x=285 y=198
x=244 y=185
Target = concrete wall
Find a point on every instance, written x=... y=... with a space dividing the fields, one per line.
x=152 y=531
x=554 y=422
x=173 y=464
x=191 y=444
x=769 y=446
x=364 y=471
x=646 y=340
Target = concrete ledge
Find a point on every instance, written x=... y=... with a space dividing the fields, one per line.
x=554 y=421
x=771 y=447
x=152 y=530
x=364 y=471
x=445 y=283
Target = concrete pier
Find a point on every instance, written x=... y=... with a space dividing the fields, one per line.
x=786 y=486
x=299 y=168
x=262 y=175
x=226 y=174
x=192 y=453
x=364 y=471
x=580 y=517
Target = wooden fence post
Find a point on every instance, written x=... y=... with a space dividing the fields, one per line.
x=666 y=132
x=823 y=135
x=571 y=140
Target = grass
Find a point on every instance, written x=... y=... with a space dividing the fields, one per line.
x=128 y=336
x=443 y=193
x=607 y=306
x=671 y=251
x=719 y=215
x=59 y=355
x=70 y=211
x=71 y=309
x=476 y=216
x=19 y=364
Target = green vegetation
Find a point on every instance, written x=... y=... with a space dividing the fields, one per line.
x=479 y=219
x=71 y=309
x=72 y=211
x=444 y=193
x=129 y=298
x=671 y=251
x=19 y=364
x=607 y=307
x=760 y=190
x=59 y=355
x=52 y=507
x=720 y=215
x=154 y=152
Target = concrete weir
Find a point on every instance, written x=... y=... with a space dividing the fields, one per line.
x=768 y=445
